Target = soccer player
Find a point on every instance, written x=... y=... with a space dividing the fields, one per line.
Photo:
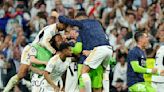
x=158 y=81
x=46 y=34
x=95 y=46
x=136 y=65
x=55 y=68
x=27 y=58
x=43 y=54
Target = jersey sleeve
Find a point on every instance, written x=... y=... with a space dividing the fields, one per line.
x=47 y=36
x=72 y=22
x=32 y=51
x=51 y=64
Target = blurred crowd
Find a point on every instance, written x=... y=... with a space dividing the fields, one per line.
x=21 y=20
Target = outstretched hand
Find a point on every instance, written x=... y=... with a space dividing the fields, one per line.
x=56 y=88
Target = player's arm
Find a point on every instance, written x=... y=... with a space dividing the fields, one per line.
x=49 y=79
x=139 y=69
x=48 y=70
x=36 y=70
x=33 y=59
x=66 y=20
x=77 y=48
x=133 y=57
x=46 y=41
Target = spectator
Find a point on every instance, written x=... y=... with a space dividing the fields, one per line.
x=2 y=70
x=120 y=79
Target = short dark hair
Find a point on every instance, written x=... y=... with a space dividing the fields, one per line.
x=21 y=6
x=124 y=27
x=138 y=35
x=63 y=46
x=53 y=41
x=149 y=51
x=132 y=15
x=81 y=13
x=121 y=54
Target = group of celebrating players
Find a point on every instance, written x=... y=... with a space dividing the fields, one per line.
x=48 y=57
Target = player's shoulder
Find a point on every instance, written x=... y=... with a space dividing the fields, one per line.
x=134 y=50
x=55 y=57
x=161 y=49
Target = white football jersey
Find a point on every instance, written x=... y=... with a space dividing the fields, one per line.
x=159 y=64
x=48 y=32
x=57 y=67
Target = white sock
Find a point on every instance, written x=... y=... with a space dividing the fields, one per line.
x=27 y=83
x=106 y=79
x=87 y=82
x=12 y=82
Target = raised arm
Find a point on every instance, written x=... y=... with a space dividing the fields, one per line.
x=66 y=20
x=47 y=36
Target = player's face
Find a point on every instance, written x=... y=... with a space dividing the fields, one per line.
x=58 y=40
x=145 y=40
x=61 y=26
x=68 y=52
x=161 y=34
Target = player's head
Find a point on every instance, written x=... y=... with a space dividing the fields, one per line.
x=2 y=57
x=61 y=26
x=122 y=57
x=56 y=41
x=141 y=38
x=65 y=49
x=81 y=15
x=160 y=32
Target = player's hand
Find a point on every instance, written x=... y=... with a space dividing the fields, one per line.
x=154 y=70
x=162 y=72
x=86 y=52
x=55 y=14
x=62 y=90
x=56 y=88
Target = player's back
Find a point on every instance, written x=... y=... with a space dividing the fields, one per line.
x=46 y=29
x=92 y=34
